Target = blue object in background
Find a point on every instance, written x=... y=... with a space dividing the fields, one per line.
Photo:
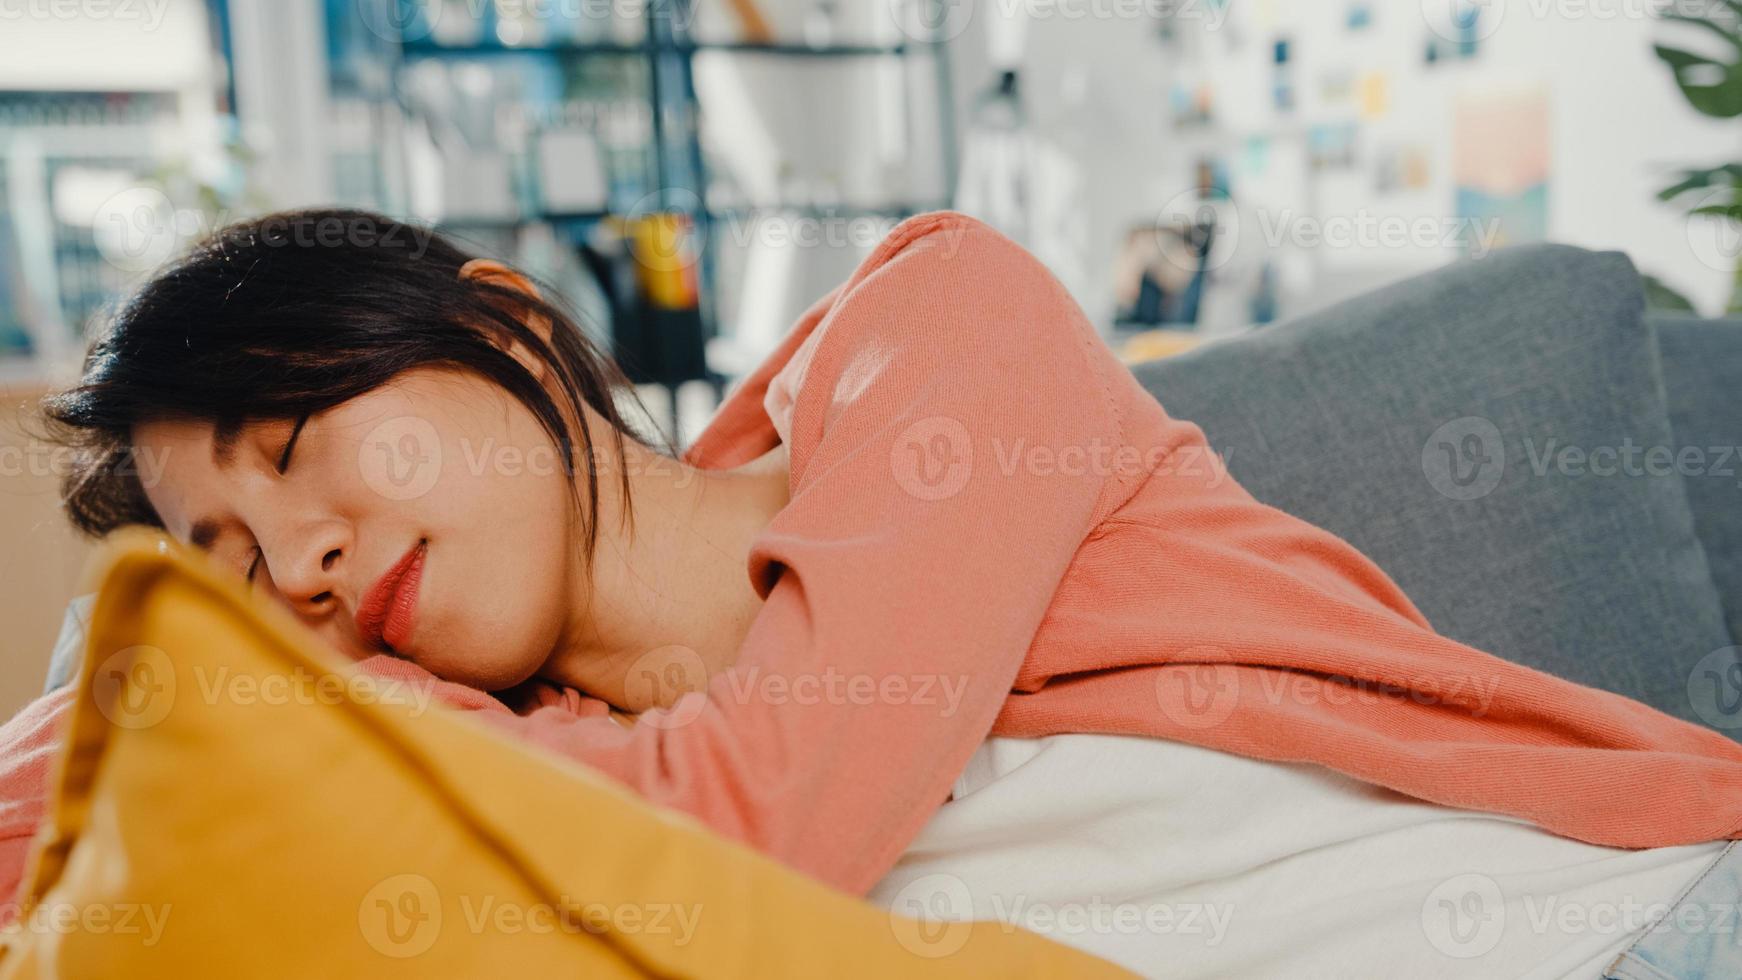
x=1469 y=22
x=1264 y=297
x=1502 y=218
x=1283 y=91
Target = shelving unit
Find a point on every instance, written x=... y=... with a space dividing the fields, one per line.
x=63 y=277
x=77 y=124
x=677 y=169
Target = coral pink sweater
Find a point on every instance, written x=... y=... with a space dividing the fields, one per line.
x=994 y=530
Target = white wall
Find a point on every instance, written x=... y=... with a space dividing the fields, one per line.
x=1618 y=124
x=797 y=130
x=103 y=45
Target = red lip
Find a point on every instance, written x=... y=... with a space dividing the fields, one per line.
x=388 y=610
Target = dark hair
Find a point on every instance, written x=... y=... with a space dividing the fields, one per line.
x=293 y=313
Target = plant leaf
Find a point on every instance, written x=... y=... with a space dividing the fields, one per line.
x=1660 y=296
x=1722 y=100
x=1722 y=31
x=1729 y=174
x=1693 y=182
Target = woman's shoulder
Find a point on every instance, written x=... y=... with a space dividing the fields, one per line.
x=950 y=294
x=949 y=319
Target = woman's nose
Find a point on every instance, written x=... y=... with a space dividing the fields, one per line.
x=313 y=569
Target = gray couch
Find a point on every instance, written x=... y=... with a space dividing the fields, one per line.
x=1495 y=435
x=1550 y=475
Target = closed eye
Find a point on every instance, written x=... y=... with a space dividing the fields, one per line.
x=283 y=463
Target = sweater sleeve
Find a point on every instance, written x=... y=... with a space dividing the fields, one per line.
x=28 y=744
x=952 y=446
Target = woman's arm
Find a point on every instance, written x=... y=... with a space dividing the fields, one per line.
x=28 y=744
x=953 y=443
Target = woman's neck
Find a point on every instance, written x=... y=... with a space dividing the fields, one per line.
x=669 y=605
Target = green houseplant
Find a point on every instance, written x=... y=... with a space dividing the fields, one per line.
x=1714 y=88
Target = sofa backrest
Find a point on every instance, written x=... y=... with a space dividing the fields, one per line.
x=1702 y=382
x=1479 y=432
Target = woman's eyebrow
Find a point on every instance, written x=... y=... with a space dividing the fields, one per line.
x=225 y=435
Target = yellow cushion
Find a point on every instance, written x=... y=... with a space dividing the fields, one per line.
x=235 y=801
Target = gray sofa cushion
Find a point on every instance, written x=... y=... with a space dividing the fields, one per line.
x=1702 y=372
x=1428 y=424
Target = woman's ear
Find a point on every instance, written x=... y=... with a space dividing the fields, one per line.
x=496 y=274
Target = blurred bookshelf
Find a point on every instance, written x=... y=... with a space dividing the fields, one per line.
x=66 y=160
x=91 y=129
x=559 y=131
x=530 y=138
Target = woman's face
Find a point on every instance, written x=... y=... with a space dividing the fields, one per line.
x=438 y=470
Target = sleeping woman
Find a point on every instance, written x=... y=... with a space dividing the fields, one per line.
x=941 y=608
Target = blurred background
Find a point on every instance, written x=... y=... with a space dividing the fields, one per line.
x=690 y=174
